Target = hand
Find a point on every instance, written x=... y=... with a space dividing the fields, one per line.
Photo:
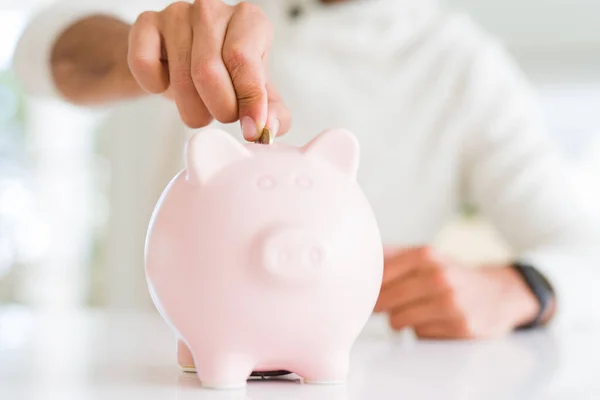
x=440 y=299
x=210 y=58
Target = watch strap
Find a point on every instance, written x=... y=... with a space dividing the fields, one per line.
x=541 y=289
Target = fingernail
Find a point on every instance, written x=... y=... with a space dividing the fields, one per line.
x=249 y=129
x=275 y=127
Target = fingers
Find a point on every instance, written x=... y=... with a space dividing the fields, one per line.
x=401 y=263
x=446 y=329
x=424 y=312
x=209 y=73
x=144 y=57
x=210 y=58
x=178 y=36
x=417 y=286
x=246 y=44
x=416 y=289
x=439 y=299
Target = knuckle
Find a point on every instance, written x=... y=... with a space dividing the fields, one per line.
x=208 y=9
x=440 y=281
x=203 y=7
x=249 y=93
x=202 y=3
x=245 y=7
x=181 y=80
x=257 y=15
x=205 y=71
x=184 y=56
x=197 y=120
x=177 y=9
x=236 y=59
x=227 y=117
x=146 y=18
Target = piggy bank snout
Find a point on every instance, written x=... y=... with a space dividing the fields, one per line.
x=293 y=253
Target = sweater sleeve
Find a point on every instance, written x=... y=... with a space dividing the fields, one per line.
x=31 y=61
x=518 y=180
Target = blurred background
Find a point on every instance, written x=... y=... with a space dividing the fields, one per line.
x=54 y=174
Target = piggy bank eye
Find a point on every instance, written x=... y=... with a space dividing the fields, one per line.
x=266 y=182
x=304 y=182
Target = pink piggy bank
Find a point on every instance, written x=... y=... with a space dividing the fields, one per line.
x=265 y=257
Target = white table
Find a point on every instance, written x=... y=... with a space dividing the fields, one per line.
x=94 y=355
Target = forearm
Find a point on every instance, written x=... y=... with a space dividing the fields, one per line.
x=89 y=62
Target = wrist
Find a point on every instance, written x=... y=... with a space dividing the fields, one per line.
x=542 y=290
x=522 y=306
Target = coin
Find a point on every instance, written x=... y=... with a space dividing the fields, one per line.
x=266 y=137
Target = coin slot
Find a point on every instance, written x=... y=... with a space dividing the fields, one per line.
x=315 y=256
x=285 y=257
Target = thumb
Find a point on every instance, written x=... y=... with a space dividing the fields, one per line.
x=249 y=81
x=253 y=109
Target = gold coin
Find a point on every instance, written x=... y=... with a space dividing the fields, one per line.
x=266 y=137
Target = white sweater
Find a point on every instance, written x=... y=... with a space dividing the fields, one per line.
x=443 y=116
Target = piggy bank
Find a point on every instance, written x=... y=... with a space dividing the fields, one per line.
x=265 y=257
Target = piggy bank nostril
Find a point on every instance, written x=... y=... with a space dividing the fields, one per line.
x=284 y=257
x=315 y=256
x=293 y=253
x=304 y=182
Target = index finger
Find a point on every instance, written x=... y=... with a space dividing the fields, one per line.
x=398 y=264
x=144 y=56
x=246 y=44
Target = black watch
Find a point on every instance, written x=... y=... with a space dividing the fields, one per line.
x=541 y=289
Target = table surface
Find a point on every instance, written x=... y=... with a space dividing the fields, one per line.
x=100 y=355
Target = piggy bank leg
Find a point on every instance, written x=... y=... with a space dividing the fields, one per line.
x=326 y=369
x=185 y=358
x=221 y=370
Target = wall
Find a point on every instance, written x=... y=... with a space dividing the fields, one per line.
x=537 y=22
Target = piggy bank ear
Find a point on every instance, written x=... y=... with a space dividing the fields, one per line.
x=338 y=147
x=209 y=151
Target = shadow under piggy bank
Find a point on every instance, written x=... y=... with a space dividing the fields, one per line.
x=289 y=387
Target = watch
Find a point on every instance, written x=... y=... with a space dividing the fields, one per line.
x=541 y=289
